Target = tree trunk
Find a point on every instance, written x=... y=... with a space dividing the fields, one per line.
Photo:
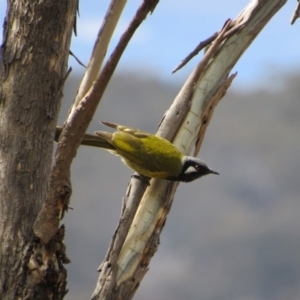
x=33 y=65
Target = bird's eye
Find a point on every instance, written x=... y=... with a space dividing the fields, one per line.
x=197 y=167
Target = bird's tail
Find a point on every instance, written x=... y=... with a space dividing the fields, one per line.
x=87 y=140
x=112 y=125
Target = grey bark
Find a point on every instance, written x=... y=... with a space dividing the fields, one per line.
x=33 y=64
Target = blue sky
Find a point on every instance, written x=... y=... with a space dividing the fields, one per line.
x=174 y=29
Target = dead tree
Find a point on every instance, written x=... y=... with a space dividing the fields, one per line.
x=34 y=197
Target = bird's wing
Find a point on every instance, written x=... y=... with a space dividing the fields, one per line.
x=128 y=146
x=127 y=141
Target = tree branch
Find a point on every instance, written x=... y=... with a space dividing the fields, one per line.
x=209 y=110
x=100 y=48
x=234 y=27
x=60 y=187
x=108 y=268
x=191 y=111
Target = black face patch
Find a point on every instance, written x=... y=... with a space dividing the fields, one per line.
x=193 y=168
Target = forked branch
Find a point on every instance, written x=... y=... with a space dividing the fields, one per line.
x=184 y=124
x=59 y=194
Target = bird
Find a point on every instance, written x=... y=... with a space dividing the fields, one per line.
x=147 y=154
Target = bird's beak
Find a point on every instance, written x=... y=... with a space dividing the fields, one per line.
x=214 y=172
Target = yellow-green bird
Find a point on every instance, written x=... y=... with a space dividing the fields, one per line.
x=147 y=154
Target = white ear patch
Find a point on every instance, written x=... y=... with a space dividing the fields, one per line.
x=190 y=169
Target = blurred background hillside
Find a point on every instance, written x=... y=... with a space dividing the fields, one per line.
x=230 y=237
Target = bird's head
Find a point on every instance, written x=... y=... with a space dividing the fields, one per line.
x=193 y=168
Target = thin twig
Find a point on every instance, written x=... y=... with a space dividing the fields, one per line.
x=232 y=29
x=212 y=50
x=178 y=110
x=200 y=46
x=75 y=19
x=77 y=59
x=296 y=13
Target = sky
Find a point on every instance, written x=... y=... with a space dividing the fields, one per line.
x=173 y=31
